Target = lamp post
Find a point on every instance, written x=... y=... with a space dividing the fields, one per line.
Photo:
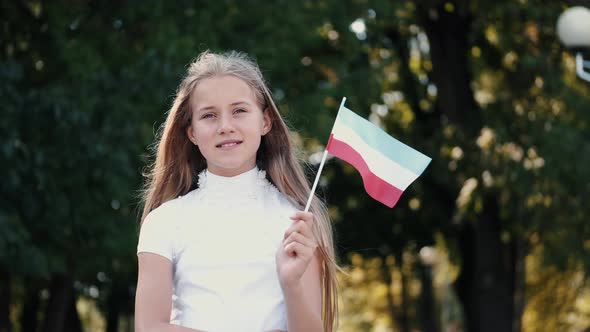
x=573 y=29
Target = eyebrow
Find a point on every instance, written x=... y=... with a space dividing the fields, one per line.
x=208 y=108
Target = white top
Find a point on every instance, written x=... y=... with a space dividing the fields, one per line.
x=222 y=239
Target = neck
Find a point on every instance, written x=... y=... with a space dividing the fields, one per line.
x=228 y=173
x=225 y=172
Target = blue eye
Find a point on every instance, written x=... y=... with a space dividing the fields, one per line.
x=207 y=116
x=240 y=110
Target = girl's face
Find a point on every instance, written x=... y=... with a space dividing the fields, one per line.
x=227 y=124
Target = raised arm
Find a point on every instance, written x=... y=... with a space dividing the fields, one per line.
x=299 y=269
x=153 y=298
x=304 y=300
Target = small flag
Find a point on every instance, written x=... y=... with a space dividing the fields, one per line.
x=387 y=165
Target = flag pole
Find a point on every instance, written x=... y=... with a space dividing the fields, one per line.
x=317 y=177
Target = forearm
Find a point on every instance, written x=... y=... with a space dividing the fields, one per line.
x=300 y=316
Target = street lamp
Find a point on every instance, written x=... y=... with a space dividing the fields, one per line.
x=573 y=28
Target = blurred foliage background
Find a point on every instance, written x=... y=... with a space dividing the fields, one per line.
x=493 y=237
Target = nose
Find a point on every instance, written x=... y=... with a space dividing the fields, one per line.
x=225 y=125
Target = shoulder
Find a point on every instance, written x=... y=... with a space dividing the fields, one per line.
x=173 y=210
x=288 y=202
x=164 y=211
x=282 y=201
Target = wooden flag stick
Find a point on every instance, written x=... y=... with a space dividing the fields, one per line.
x=317 y=177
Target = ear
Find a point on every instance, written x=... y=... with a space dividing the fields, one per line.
x=191 y=135
x=266 y=121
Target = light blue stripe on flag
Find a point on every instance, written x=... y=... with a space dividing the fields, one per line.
x=375 y=137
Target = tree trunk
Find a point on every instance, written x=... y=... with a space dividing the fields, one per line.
x=427 y=309
x=60 y=294
x=5 y=325
x=73 y=322
x=464 y=285
x=115 y=299
x=449 y=49
x=28 y=320
x=483 y=285
x=493 y=292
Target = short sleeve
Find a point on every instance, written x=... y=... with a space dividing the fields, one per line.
x=156 y=234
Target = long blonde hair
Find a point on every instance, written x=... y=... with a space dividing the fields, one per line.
x=178 y=162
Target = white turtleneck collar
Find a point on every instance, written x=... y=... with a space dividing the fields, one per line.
x=245 y=183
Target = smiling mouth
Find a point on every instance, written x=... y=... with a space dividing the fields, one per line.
x=229 y=144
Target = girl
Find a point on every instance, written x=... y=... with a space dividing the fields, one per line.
x=222 y=246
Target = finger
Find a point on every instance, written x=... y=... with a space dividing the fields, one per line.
x=299 y=226
x=302 y=215
x=294 y=249
x=308 y=220
x=298 y=237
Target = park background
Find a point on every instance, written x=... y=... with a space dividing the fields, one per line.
x=493 y=237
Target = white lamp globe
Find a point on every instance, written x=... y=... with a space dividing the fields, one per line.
x=573 y=27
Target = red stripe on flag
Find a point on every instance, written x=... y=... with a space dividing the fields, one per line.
x=376 y=187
